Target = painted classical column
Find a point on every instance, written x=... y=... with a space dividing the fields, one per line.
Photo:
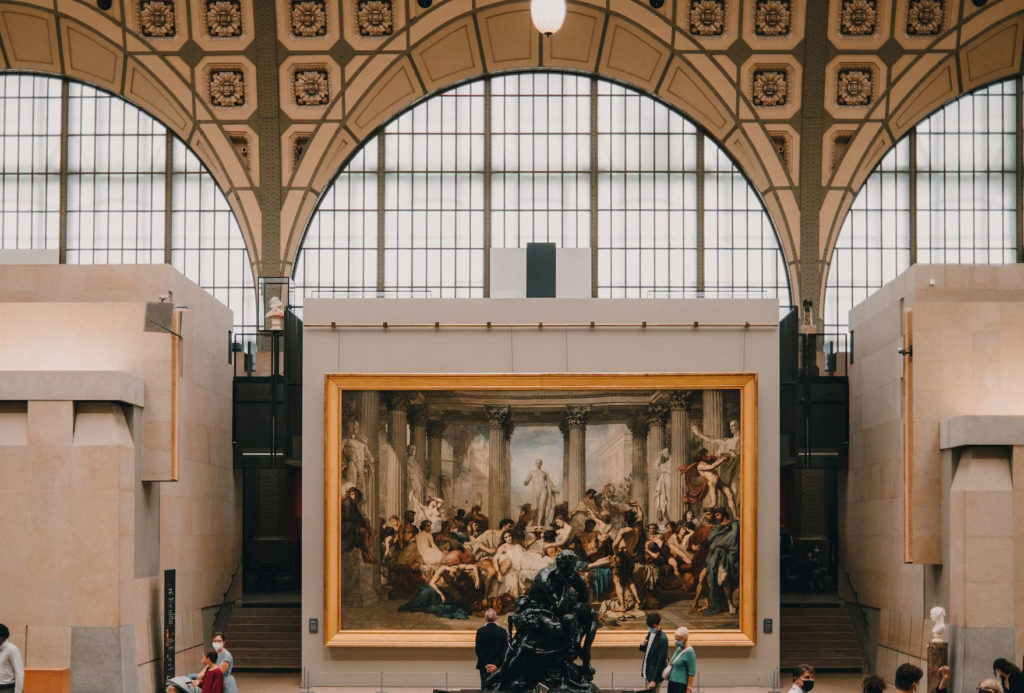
x=506 y=472
x=398 y=439
x=655 y=414
x=496 y=418
x=564 y=428
x=576 y=480
x=462 y=470
x=418 y=437
x=713 y=417
x=679 y=429
x=435 y=434
x=638 y=476
x=369 y=410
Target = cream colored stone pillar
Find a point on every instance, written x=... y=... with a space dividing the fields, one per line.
x=655 y=414
x=980 y=564
x=679 y=429
x=496 y=476
x=638 y=481
x=576 y=480
x=435 y=434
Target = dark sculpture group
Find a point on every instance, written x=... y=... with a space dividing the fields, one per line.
x=551 y=634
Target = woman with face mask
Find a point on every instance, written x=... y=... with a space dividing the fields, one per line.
x=682 y=665
x=803 y=678
x=225 y=662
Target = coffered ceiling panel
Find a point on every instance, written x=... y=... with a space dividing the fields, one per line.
x=508 y=38
x=30 y=38
x=448 y=55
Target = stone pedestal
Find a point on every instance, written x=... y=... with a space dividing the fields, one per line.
x=938 y=656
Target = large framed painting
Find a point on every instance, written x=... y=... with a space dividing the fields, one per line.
x=445 y=495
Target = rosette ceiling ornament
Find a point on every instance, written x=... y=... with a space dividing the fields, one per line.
x=547 y=15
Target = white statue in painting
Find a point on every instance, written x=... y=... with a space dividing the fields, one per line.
x=662 y=485
x=719 y=471
x=543 y=490
x=356 y=458
x=415 y=479
x=938 y=615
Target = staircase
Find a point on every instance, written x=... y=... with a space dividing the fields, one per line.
x=819 y=634
x=265 y=637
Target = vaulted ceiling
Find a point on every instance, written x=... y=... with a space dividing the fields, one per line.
x=275 y=95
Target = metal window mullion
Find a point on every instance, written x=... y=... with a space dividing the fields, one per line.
x=62 y=218
x=1019 y=183
x=912 y=202
x=380 y=212
x=168 y=196
x=593 y=189
x=488 y=204
x=700 y=212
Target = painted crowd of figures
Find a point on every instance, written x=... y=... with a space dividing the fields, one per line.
x=456 y=562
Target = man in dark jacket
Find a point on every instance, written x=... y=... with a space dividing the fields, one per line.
x=491 y=645
x=655 y=649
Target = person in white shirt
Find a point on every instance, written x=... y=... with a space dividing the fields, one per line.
x=12 y=673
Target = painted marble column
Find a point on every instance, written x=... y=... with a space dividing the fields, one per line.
x=713 y=417
x=656 y=414
x=679 y=429
x=418 y=437
x=398 y=439
x=435 y=434
x=576 y=481
x=564 y=428
x=506 y=472
x=369 y=410
x=638 y=488
x=496 y=418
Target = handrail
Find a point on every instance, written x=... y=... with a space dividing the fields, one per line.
x=856 y=598
x=224 y=610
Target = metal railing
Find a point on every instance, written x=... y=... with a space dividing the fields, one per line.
x=227 y=606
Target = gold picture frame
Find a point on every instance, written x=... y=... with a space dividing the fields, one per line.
x=738 y=388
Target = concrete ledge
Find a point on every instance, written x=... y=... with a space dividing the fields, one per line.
x=981 y=430
x=105 y=386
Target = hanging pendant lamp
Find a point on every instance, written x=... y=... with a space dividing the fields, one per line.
x=547 y=15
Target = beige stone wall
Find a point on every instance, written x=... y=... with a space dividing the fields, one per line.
x=547 y=350
x=71 y=331
x=967 y=331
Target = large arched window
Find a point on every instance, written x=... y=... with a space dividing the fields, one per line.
x=567 y=159
x=946 y=193
x=129 y=191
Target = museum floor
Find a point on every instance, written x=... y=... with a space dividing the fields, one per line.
x=289 y=683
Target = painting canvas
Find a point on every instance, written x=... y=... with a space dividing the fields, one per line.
x=447 y=495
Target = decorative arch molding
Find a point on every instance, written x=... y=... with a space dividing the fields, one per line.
x=81 y=43
x=635 y=47
x=987 y=47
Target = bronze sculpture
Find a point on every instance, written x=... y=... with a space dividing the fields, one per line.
x=552 y=627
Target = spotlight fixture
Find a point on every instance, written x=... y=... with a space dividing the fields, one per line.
x=547 y=15
x=980 y=3
x=104 y=4
x=657 y=4
x=425 y=3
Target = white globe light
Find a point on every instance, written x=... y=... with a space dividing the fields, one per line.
x=547 y=15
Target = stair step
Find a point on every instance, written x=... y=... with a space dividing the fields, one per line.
x=266 y=638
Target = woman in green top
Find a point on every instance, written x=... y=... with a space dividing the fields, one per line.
x=683 y=663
